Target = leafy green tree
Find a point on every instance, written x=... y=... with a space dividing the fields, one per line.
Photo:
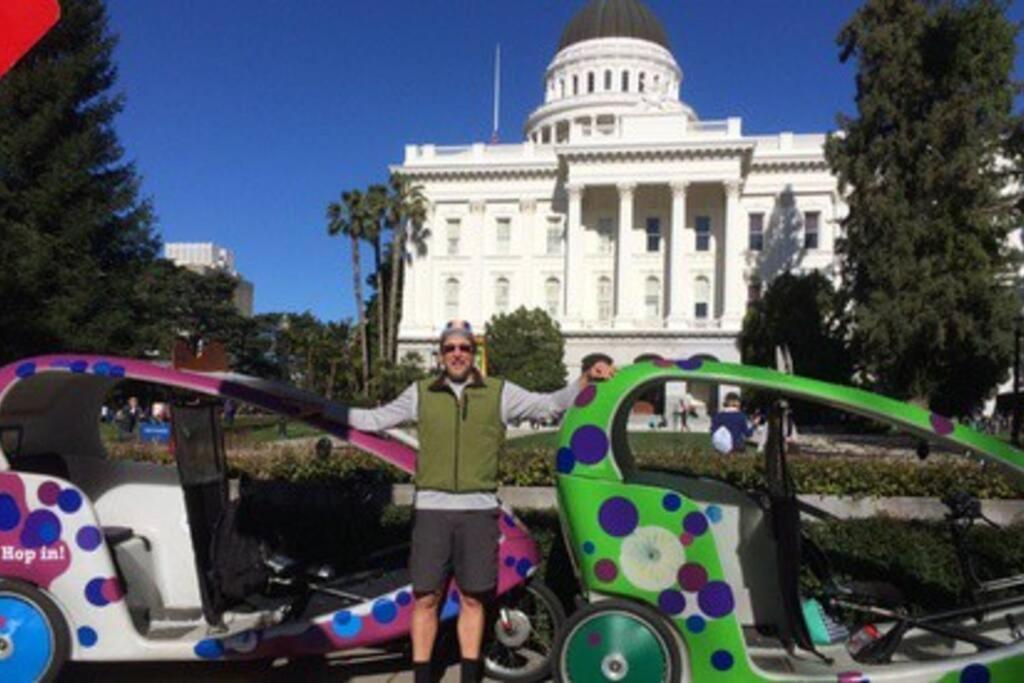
x=74 y=235
x=926 y=262
x=526 y=347
x=802 y=314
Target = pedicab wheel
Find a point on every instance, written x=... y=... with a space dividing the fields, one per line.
x=34 y=641
x=525 y=624
x=617 y=640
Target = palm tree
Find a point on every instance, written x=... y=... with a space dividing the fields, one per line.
x=351 y=217
x=377 y=203
x=406 y=215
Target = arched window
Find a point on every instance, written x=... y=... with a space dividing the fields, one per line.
x=604 y=298
x=640 y=81
x=625 y=81
x=561 y=87
x=608 y=80
x=575 y=85
x=552 y=296
x=590 y=82
x=702 y=289
x=501 y=295
x=652 y=298
x=451 y=299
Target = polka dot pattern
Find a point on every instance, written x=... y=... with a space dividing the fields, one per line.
x=25 y=370
x=942 y=426
x=692 y=577
x=403 y=598
x=588 y=548
x=69 y=500
x=523 y=567
x=586 y=396
x=696 y=623
x=722 y=660
x=87 y=637
x=605 y=570
x=695 y=523
x=89 y=538
x=209 y=649
x=384 y=611
x=671 y=502
x=48 y=493
x=41 y=528
x=715 y=599
x=714 y=513
x=975 y=673
x=346 y=624
x=565 y=460
x=618 y=516
x=10 y=513
x=589 y=444
x=689 y=364
x=671 y=602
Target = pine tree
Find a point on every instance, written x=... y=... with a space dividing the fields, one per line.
x=926 y=262
x=74 y=235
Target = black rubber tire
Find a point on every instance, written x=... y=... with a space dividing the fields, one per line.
x=54 y=620
x=650 y=619
x=546 y=598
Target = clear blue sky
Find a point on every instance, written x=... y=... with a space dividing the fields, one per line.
x=246 y=117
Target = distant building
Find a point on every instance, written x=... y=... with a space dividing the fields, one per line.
x=204 y=257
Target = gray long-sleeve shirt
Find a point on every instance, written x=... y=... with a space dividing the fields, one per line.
x=516 y=404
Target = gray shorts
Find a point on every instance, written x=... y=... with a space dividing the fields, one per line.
x=463 y=541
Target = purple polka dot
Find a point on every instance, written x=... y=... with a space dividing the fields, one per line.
x=509 y=520
x=722 y=660
x=510 y=561
x=715 y=599
x=78 y=366
x=94 y=592
x=671 y=602
x=695 y=523
x=48 y=493
x=663 y=363
x=565 y=460
x=89 y=538
x=586 y=397
x=41 y=528
x=69 y=500
x=117 y=371
x=605 y=570
x=593 y=639
x=111 y=590
x=671 y=502
x=523 y=567
x=590 y=444
x=618 y=516
x=403 y=598
x=692 y=577
x=689 y=364
x=943 y=426
x=25 y=370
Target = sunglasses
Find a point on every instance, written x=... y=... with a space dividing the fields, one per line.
x=449 y=348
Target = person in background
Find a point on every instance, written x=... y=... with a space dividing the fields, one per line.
x=730 y=427
x=461 y=417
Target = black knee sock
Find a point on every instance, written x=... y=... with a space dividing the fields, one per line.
x=471 y=670
x=421 y=672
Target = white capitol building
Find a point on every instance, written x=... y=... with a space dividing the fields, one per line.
x=635 y=224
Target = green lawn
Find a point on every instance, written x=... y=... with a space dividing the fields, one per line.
x=248 y=430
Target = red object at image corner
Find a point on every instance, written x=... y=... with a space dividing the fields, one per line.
x=22 y=24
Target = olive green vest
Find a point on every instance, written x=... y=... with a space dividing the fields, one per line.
x=459 y=442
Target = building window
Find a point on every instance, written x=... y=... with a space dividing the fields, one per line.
x=652 y=298
x=604 y=298
x=640 y=81
x=811 y=220
x=605 y=238
x=554 y=244
x=608 y=80
x=701 y=290
x=590 y=82
x=625 y=81
x=503 y=233
x=653 y=234
x=575 y=85
x=501 y=292
x=756 y=242
x=453 y=232
x=703 y=225
x=561 y=87
x=552 y=296
x=451 y=299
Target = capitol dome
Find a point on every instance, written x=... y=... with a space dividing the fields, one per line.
x=614 y=19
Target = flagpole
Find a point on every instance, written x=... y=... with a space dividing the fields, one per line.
x=497 y=92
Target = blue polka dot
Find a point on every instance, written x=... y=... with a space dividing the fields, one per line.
x=714 y=513
x=69 y=500
x=671 y=502
x=510 y=561
x=588 y=547
x=721 y=660
x=523 y=567
x=565 y=460
x=209 y=649
x=78 y=366
x=101 y=368
x=696 y=624
x=25 y=370
x=94 y=593
x=384 y=611
x=346 y=624
x=41 y=528
x=403 y=598
x=117 y=371
x=975 y=673
x=89 y=538
x=87 y=637
x=10 y=515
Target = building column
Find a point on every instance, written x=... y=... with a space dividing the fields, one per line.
x=475 y=284
x=573 y=256
x=677 y=306
x=624 y=292
x=734 y=290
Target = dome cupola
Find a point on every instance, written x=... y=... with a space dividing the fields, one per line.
x=614 y=19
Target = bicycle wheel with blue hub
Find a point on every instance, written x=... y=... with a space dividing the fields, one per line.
x=34 y=640
x=617 y=641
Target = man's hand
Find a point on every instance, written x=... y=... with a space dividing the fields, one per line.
x=598 y=372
